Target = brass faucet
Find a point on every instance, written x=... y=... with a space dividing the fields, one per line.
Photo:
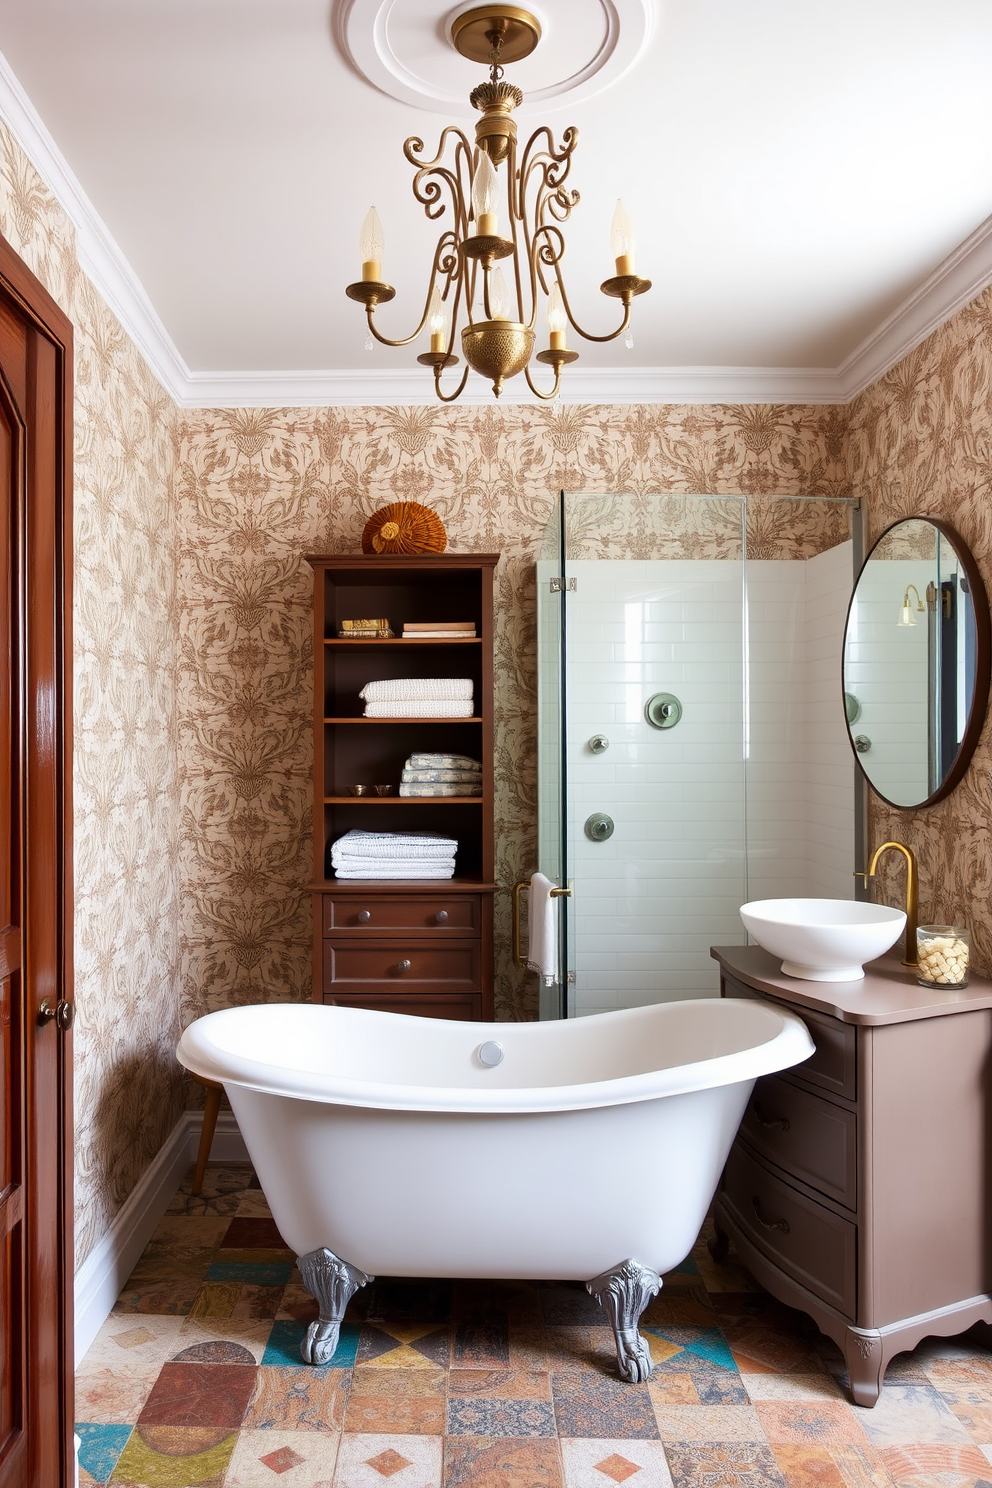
x=912 y=893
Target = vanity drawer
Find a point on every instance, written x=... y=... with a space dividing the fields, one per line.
x=812 y=1244
x=377 y=914
x=813 y=1139
x=833 y=1065
x=392 y=966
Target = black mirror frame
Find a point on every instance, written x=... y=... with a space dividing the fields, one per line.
x=983 y=663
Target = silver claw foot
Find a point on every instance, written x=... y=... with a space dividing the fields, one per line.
x=333 y=1282
x=623 y=1293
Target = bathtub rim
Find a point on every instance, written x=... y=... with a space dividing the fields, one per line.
x=788 y=1046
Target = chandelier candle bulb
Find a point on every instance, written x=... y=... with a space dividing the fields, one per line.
x=557 y=319
x=499 y=296
x=437 y=319
x=371 y=246
x=485 y=196
x=623 y=239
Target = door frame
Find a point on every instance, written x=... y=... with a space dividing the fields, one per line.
x=46 y=651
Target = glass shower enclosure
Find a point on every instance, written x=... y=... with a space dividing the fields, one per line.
x=691 y=739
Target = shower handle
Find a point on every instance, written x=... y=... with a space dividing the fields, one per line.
x=599 y=827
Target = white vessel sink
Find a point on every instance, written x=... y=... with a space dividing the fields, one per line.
x=823 y=940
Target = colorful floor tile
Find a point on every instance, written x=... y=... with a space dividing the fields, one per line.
x=196 y=1381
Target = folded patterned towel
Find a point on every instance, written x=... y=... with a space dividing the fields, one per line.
x=421 y=761
x=395 y=845
x=422 y=709
x=445 y=868
x=464 y=789
x=413 y=689
x=441 y=777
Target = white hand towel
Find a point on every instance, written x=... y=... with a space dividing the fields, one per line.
x=426 y=708
x=413 y=689
x=394 y=845
x=407 y=869
x=542 y=930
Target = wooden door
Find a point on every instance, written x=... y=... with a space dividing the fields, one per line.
x=35 y=898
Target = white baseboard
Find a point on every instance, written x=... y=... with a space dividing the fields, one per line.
x=114 y=1256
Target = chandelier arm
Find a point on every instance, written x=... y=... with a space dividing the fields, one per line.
x=586 y=335
x=446 y=239
x=553 y=166
x=518 y=226
x=429 y=174
x=548 y=249
x=547 y=397
x=450 y=397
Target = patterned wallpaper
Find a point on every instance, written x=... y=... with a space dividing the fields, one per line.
x=258 y=489
x=921 y=444
x=193 y=651
x=128 y=1093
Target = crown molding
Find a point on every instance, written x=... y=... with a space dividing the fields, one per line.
x=100 y=258
x=955 y=281
x=953 y=284
x=366 y=387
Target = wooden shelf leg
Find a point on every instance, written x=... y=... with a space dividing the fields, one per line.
x=210 y=1110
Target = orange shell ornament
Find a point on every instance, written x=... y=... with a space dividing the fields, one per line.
x=404 y=527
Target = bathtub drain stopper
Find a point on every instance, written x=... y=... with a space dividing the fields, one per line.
x=491 y=1053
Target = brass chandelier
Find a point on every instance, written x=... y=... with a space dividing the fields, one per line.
x=533 y=201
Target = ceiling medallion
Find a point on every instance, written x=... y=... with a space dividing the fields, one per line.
x=498 y=338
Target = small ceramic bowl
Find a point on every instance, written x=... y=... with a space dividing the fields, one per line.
x=358 y=790
x=384 y=790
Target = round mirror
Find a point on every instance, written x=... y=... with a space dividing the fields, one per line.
x=916 y=659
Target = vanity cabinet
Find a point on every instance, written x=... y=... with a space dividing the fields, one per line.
x=857 y=1189
x=420 y=946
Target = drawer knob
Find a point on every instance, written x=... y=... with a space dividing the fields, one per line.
x=770 y=1123
x=768 y=1224
x=441 y=918
x=405 y=965
x=364 y=915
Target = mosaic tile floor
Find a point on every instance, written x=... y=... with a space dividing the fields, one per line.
x=195 y=1381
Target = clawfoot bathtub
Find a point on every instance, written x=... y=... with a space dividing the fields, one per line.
x=586 y=1150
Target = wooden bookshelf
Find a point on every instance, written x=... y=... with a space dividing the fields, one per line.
x=422 y=946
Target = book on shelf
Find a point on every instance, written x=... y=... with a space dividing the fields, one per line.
x=364 y=630
x=449 y=630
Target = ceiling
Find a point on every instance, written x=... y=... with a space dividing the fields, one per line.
x=794 y=170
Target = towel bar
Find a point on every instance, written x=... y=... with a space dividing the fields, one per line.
x=519 y=959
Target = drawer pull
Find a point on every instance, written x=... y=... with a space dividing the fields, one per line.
x=405 y=965
x=441 y=918
x=364 y=915
x=768 y=1224
x=770 y=1123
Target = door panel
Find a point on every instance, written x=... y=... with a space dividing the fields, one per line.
x=13 y=1332
x=35 y=887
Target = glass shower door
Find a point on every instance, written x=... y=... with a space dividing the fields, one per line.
x=644 y=729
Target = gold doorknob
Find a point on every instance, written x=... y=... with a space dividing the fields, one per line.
x=63 y=1013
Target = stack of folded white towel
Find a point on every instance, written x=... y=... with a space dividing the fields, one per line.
x=441 y=775
x=393 y=855
x=419 y=697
